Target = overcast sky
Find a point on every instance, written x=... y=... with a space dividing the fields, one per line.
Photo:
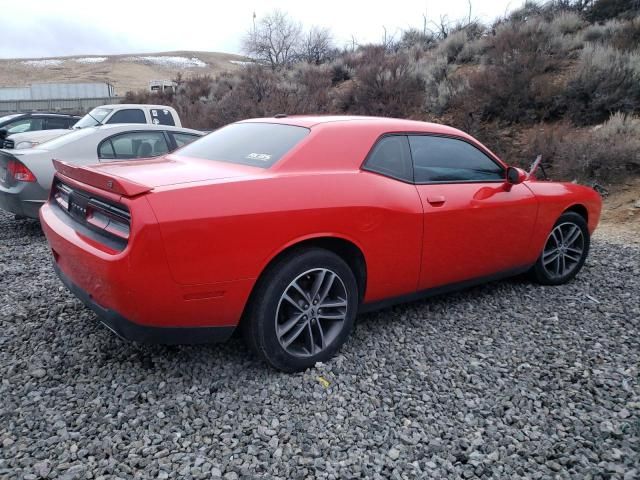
x=41 y=28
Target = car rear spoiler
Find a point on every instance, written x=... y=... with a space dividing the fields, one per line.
x=95 y=178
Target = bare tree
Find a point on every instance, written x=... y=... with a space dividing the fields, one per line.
x=389 y=41
x=353 y=44
x=442 y=28
x=275 y=40
x=317 y=46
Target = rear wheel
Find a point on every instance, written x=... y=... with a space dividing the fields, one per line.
x=564 y=252
x=302 y=310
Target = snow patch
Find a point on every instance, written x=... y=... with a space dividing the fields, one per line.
x=89 y=60
x=240 y=62
x=173 y=62
x=45 y=62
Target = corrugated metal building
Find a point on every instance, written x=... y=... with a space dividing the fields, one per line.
x=57 y=91
x=15 y=93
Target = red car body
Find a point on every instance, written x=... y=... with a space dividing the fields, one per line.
x=202 y=232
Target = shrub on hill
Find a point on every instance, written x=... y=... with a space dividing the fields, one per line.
x=543 y=63
x=606 y=80
x=605 y=153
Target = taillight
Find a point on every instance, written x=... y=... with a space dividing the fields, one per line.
x=109 y=218
x=19 y=172
x=61 y=195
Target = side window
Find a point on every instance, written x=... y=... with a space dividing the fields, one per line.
x=57 y=122
x=443 y=159
x=391 y=157
x=131 y=145
x=25 y=125
x=105 y=151
x=162 y=117
x=183 y=139
x=132 y=115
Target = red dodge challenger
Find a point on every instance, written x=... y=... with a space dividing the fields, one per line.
x=290 y=226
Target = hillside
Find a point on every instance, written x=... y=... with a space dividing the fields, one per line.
x=125 y=72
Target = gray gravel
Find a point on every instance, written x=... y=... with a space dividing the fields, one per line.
x=509 y=380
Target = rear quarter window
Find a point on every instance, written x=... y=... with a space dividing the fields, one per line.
x=130 y=115
x=57 y=122
x=256 y=144
x=162 y=117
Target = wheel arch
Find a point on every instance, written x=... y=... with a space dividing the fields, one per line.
x=580 y=210
x=345 y=248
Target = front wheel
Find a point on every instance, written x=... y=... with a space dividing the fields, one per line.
x=302 y=310
x=564 y=252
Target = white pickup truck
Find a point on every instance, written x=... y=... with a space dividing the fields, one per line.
x=106 y=114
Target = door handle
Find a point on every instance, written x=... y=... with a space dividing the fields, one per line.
x=436 y=200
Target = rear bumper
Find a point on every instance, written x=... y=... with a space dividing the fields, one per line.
x=145 y=334
x=12 y=202
x=132 y=290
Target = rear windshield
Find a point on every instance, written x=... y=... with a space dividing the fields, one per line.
x=65 y=138
x=6 y=118
x=256 y=144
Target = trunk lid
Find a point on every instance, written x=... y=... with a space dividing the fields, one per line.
x=135 y=177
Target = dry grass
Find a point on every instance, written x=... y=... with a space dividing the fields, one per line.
x=125 y=75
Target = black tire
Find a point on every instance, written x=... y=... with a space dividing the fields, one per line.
x=263 y=314
x=549 y=275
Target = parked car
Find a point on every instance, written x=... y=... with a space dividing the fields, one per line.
x=290 y=226
x=26 y=175
x=104 y=115
x=32 y=122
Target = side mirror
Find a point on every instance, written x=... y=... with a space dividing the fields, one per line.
x=515 y=175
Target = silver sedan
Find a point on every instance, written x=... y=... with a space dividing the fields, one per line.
x=26 y=175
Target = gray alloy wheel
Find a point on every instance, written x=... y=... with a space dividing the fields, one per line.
x=563 y=251
x=311 y=312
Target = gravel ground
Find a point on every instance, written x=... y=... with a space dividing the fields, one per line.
x=508 y=380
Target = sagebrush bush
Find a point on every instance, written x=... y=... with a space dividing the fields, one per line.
x=451 y=46
x=385 y=84
x=473 y=50
x=440 y=82
x=462 y=44
x=627 y=37
x=416 y=38
x=340 y=72
x=511 y=85
x=567 y=23
x=606 y=153
x=601 y=32
x=607 y=80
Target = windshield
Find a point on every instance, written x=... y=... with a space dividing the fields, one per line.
x=65 y=138
x=6 y=118
x=93 y=118
x=256 y=144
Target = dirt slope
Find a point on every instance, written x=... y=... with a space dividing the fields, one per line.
x=124 y=72
x=621 y=212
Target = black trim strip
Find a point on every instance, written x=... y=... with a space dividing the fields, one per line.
x=432 y=292
x=135 y=332
x=109 y=241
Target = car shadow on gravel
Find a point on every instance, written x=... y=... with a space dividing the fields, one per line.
x=479 y=292
x=214 y=362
